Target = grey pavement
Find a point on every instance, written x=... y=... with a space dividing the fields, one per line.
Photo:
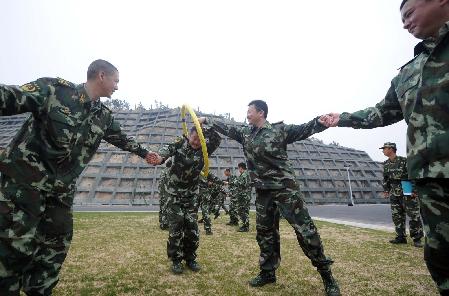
x=374 y=216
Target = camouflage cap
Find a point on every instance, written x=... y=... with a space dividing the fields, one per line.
x=388 y=145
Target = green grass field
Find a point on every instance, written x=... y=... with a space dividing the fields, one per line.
x=125 y=254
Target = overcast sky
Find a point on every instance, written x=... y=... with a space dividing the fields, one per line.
x=305 y=58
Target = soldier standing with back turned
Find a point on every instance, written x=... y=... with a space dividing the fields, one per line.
x=395 y=171
x=243 y=196
x=232 y=189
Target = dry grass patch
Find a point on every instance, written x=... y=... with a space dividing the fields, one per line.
x=125 y=254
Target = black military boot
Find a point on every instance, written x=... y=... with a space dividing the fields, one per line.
x=209 y=232
x=243 y=229
x=399 y=240
x=177 y=267
x=264 y=277
x=330 y=284
x=200 y=220
x=193 y=266
x=417 y=243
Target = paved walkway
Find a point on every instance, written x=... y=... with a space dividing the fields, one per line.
x=377 y=216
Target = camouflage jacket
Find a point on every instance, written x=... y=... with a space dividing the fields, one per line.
x=187 y=162
x=55 y=144
x=420 y=95
x=162 y=180
x=394 y=172
x=244 y=184
x=265 y=149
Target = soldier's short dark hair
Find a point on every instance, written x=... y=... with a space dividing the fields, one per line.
x=402 y=4
x=227 y=170
x=242 y=165
x=260 y=106
x=100 y=65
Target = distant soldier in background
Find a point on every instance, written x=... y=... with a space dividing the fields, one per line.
x=395 y=171
x=243 y=183
x=217 y=195
x=163 y=220
x=232 y=191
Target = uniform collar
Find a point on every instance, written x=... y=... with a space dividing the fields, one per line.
x=93 y=106
x=266 y=125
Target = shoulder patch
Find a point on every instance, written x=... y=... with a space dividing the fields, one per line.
x=82 y=98
x=277 y=123
x=64 y=82
x=30 y=87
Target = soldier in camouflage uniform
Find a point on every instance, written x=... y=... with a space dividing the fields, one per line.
x=265 y=148
x=420 y=95
x=217 y=195
x=163 y=220
x=233 y=202
x=39 y=169
x=243 y=196
x=182 y=188
x=395 y=171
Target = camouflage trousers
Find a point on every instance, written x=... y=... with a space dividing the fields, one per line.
x=217 y=203
x=290 y=203
x=205 y=205
x=401 y=206
x=233 y=209
x=35 y=233
x=434 y=197
x=243 y=209
x=183 y=235
x=163 y=220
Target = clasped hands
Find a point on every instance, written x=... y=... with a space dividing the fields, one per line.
x=153 y=158
x=330 y=119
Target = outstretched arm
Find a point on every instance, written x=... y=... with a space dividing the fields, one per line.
x=303 y=131
x=386 y=112
x=213 y=139
x=230 y=131
x=116 y=137
x=29 y=97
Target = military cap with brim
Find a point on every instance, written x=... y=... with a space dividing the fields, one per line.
x=388 y=145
